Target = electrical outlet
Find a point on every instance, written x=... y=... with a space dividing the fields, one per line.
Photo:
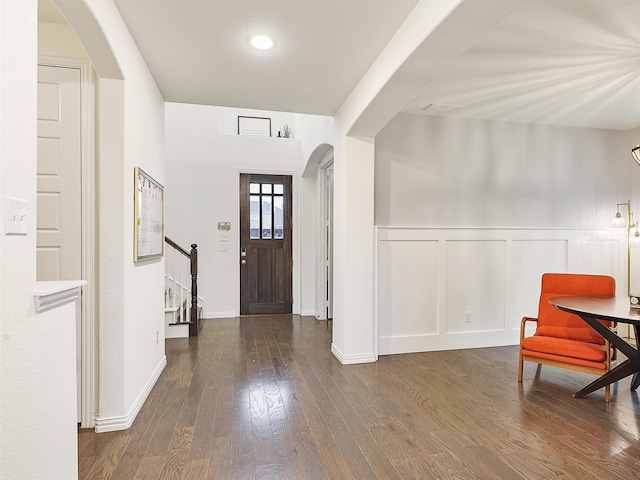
x=467 y=317
x=157 y=337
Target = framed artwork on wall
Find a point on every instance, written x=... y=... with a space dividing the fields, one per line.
x=148 y=239
x=254 y=126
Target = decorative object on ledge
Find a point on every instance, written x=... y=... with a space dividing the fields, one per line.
x=53 y=294
x=635 y=153
x=148 y=239
x=285 y=131
x=254 y=126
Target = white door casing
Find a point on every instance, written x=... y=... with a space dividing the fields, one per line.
x=329 y=241
x=324 y=300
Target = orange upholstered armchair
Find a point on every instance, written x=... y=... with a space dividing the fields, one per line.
x=563 y=339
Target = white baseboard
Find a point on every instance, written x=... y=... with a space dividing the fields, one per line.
x=111 y=424
x=213 y=315
x=352 y=359
x=436 y=342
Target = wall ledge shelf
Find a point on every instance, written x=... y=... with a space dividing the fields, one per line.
x=52 y=294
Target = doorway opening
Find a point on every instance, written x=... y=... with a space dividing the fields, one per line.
x=325 y=264
x=65 y=214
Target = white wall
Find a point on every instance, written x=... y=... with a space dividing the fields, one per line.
x=131 y=296
x=202 y=189
x=474 y=212
x=447 y=172
x=309 y=245
x=60 y=41
x=37 y=359
x=130 y=132
x=633 y=180
x=316 y=134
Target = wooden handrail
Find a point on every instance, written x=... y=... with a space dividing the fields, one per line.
x=177 y=247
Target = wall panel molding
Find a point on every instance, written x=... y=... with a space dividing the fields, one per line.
x=452 y=288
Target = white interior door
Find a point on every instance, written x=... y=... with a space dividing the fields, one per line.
x=59 y=214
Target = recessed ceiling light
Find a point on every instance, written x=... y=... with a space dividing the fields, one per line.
x=262 y=42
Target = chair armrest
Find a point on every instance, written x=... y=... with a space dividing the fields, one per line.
x=523 y=323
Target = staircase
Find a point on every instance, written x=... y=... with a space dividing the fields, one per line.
x=182 y=305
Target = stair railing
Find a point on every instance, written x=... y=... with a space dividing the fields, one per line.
x=181 y=284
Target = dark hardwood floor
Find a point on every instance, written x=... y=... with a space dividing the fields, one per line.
x=262 y=397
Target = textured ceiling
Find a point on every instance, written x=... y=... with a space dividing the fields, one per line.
x=555 y=62
x=199 y=51
x=564 y=62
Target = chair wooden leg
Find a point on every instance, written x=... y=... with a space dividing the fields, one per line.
x=607 y=393
x=520 y=367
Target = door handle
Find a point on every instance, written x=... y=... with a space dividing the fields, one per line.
x=243 y=261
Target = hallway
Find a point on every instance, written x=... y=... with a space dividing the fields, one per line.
x=262 y=397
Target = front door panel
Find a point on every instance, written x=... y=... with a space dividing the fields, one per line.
x=265 y=244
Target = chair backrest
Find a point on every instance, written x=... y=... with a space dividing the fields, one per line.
x=556 y=323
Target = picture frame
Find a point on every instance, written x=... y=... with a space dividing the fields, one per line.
x=254 y=126
x=148 y=240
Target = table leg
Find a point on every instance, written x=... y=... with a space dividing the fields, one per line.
x=631 y=366
x=635 y=381
x=621 y=371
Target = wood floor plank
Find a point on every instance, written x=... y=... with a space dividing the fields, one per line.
x=483 y=463
x=161 y=438
x=176 y=458
x=202 y=442
x=263 y=397
x=221 y=461
x=149 y=467
x=453 y=467
x=196 y=469
x=108 y=461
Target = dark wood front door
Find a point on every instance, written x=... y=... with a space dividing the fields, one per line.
x=265 y=244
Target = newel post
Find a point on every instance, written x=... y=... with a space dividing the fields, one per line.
x=193 y=314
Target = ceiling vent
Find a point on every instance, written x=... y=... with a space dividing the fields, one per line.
x=440 y=108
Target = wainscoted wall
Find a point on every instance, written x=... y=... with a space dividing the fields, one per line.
x=450 y=288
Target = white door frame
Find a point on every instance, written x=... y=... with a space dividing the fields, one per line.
x=88 y=407
x=324 y=269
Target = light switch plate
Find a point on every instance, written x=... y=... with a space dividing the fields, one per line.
x=15 y=221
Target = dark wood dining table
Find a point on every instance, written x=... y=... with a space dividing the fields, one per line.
x=616 y=309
